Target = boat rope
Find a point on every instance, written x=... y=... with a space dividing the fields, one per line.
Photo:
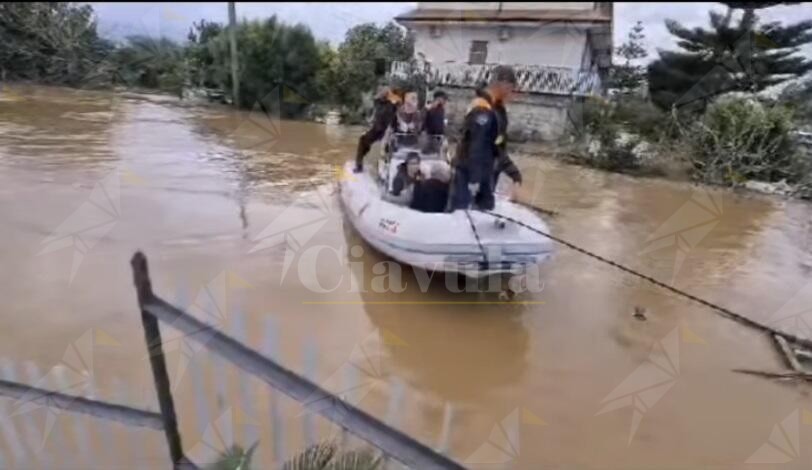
x=716 y=308
x=476 y=235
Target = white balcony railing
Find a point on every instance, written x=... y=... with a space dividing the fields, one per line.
x=530 y=78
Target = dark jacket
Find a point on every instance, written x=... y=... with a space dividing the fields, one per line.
x=503 y=160
x=477 y=151
x=386 y=108
x=434 y=123
x=402 y=187
x=430 y=195
x=402 y=180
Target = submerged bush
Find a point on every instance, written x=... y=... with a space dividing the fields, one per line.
x=640 y=116
x=736 y=139
x=739 y=139
x=603 y=142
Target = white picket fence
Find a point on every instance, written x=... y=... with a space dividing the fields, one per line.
x=34 y=433
x=234 y=393
x=227 y=406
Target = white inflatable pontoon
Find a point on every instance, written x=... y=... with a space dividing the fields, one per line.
x=444 y=242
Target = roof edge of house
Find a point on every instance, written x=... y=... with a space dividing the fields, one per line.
x=504 y=16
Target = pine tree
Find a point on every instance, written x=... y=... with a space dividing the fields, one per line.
x=798 y=96
x=743 y=55
x=629 y=76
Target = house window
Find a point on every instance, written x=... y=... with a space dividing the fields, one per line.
x=479 y=52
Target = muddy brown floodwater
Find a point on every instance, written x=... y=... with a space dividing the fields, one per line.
x=237 y=215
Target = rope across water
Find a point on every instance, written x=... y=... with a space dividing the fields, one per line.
x=476 y=235
x=717 y=308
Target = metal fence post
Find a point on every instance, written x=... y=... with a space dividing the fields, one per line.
x=391 y=441
x=152 y=334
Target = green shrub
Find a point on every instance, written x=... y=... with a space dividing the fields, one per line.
x=327 y=456
x=640 y=116
x=603 y=142
x=618 y=154
x=320 y=456
x=234 y=458
x=741 y=139
x=595 y=113
x=149 y=63
x=52 y=42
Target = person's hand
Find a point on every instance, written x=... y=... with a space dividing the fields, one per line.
x=473 y=188
x=514 y=191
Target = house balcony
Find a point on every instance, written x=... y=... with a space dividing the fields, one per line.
x=530 y=79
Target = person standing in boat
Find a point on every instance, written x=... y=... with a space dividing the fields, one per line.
x=386 y=108
x=480 y=153
x=434 y=122
x=408 y=120
x=504 y=164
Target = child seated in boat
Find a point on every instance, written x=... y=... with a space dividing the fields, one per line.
x=404 y=182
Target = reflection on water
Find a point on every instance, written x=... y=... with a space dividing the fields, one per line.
x=243 y=199
x=438 y=331
x=51 y=133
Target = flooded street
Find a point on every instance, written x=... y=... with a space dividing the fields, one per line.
x=238 y=217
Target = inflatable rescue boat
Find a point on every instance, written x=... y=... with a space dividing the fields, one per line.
x=471 y=242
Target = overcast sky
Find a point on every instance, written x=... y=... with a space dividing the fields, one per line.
x=331 y=20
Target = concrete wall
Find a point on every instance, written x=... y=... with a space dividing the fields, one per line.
x=552 y=45
x=541 y=118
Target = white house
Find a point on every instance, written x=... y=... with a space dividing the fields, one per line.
x=561 y=52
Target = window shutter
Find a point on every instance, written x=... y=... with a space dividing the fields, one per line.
x=478 y=53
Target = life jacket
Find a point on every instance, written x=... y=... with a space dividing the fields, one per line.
x=499 y=112
x=479 y=102
x=393 y=98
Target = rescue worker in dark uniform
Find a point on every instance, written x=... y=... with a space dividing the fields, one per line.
x=481 y=152
x=386 y=107
x=504 y=164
